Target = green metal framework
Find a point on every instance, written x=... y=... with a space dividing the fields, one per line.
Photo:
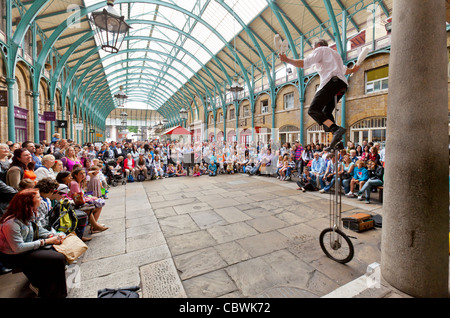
x=89 y=95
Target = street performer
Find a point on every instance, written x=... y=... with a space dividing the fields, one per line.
x=333 y=85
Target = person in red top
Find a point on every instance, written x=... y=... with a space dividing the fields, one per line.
x=129 y=165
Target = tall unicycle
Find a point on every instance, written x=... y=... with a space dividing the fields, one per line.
x=333 y=241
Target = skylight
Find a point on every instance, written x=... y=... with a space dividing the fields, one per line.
x=181 y=56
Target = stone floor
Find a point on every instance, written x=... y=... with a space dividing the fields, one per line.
x=212 y=237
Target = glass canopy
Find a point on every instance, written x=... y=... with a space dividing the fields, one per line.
x=164 y=48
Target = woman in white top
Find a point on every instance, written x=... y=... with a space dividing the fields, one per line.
x=46 y=170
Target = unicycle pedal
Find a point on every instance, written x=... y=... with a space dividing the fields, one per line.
x=339 y=146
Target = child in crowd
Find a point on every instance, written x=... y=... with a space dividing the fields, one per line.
x=180 y=170
x=159 y=172
x=212 y=169
x=94 y=184
x=360 y=176
x=204 y=168
x=284 y=170
x=171 y=170
x=196 y=171
x=26 y=184
x=164 y=162
x=280 y=166
x=291 y=167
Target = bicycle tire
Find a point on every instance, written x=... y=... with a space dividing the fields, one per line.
x=334 y=244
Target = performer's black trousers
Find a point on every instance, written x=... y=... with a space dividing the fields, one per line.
x=323 y=103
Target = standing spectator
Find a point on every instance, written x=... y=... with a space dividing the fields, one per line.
x=298 y=157
x=20 y=243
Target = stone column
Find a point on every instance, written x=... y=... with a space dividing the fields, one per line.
x=414 y=252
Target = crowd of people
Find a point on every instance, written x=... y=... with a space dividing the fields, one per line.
x=34 y=177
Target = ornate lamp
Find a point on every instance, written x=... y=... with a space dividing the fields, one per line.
x=110 y=28
x=235 y=89
x=121 y=97
x=183 y=114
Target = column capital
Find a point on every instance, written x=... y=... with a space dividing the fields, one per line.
x=10 y=81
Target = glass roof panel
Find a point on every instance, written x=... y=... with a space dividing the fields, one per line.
x=212 y=13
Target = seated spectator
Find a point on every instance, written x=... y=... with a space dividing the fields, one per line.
x=159 y=172
x=46 y=170
x=141 y=167
x=6 y=194
x=128 y=165
x=346 y=172
x=212 y=169
x=196 y=171
x=317 y=168
x=4 y=161
x=280 y=166
x=21 y=242
x=22 y=167
x=31 y=147
x=374 y=156
x=375 y=174
x=26 y=184
x=58 y=167
x=306 y=183
x=329 y=177
x=171 y=170
x=75 y=180
x=360 y=176
x=70 y=159
x=180 y=170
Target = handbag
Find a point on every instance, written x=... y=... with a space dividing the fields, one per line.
x=78 y=198
x=345 y=175
x=72 y=247
x=126 y=292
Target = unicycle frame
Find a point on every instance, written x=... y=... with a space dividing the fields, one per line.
x=337 y=237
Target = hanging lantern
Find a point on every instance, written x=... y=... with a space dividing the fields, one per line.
x=111 y=28
x=183 y=114
x=235 y=89
x=121 y=97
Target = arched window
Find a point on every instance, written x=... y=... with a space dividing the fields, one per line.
x=289 y=134
x=316 y=134
x=370 y=129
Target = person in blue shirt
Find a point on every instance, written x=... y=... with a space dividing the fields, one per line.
x=31 y=147
x=212 y=168
x=360 y=176
x=317 y=168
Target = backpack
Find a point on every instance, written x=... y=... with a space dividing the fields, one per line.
x=130 y=178
x=63 y=217
x=141 y=177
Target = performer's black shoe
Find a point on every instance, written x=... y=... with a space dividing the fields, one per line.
x=337 y=136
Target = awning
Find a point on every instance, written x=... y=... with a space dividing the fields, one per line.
x=178 y=130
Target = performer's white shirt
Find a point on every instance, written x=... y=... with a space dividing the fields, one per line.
x=328 y=63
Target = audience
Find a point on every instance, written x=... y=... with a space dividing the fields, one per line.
x=30 y=179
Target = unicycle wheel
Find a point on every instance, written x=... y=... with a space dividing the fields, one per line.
x=336 y=245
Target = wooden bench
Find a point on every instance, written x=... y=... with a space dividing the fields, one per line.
x=380 y=193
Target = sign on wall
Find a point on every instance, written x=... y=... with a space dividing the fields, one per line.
x=4 y=98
